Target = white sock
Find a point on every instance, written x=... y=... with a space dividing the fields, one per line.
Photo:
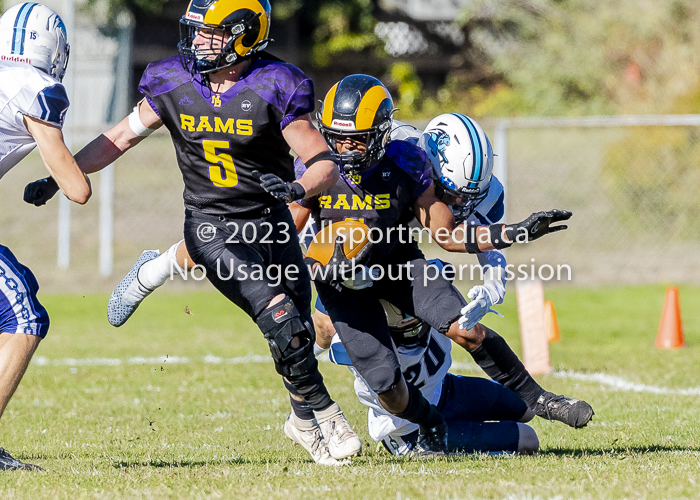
x=318 y=350
x=157 y=271
x=303 y=425
x=328 y=413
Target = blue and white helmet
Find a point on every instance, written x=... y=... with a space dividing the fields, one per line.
x=34 y=34
x=461 y=155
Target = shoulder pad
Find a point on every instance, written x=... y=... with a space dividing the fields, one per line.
x=401 y=131
x=283 y=85
x=163 y=76
x=410 y=158
x=492 y=206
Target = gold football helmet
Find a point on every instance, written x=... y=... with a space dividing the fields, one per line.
x=235 y=30
x=359 y=107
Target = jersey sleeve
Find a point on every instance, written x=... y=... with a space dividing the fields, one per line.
x=161 y=77
x=412 y=160
x=300 y=103
x=491 y=209
x=50 y=105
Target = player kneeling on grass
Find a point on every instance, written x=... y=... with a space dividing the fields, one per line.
x=33 y=103
x=482 y=416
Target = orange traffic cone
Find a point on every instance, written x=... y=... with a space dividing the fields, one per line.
x=670 y=334
x=551 y=326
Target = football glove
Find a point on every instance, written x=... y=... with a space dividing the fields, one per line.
x=480 y=306
x=285 y=191
x=37 y=193
x=340 y=269
x=537 y=225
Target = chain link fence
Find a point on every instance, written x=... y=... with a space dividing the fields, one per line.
x=632 y=189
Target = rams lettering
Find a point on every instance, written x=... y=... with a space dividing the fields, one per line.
x=191 y=124
x=376 y=202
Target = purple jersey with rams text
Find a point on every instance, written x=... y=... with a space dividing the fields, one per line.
x=220 y=139
x=382 y=197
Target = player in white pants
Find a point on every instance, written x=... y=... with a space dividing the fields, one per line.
x=33 y=104
x=482 y=415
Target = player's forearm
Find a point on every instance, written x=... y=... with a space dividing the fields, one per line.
x=107 y=148
x=319 y=177
x=73 y=183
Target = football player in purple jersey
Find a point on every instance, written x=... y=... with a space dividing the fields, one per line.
x=386 y=184
x=233 y=112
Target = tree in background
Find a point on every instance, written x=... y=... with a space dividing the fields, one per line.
x=586 y=57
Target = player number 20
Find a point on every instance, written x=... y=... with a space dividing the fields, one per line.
x=224 y=174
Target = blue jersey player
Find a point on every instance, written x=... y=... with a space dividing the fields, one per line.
x=233 y=112
x=33 y=104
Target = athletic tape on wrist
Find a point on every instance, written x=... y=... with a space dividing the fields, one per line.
x=471 y=242
x=496 y=234
x=137 y=126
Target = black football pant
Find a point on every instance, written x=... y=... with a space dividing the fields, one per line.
x=361 y=323
x=251 y=261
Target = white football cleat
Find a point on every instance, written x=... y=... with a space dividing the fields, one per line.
x=129 y=293
x=342 y=441
x=313 y=442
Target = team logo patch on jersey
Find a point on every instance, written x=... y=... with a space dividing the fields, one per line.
x=216 y=101
x=386 y=174
x=186 y=101
x=246 y=105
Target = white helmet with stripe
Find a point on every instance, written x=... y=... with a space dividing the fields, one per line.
x=34 y=34
x=461 y=155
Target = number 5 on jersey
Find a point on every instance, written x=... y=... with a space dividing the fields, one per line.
x=223 y=175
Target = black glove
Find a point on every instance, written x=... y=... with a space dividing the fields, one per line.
x=285 y=191
x=37 y=193
x=536 y=226
x=339 y=267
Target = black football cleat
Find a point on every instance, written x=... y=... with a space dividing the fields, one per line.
x=432 y=442
x=8 y=462
x=573 y=412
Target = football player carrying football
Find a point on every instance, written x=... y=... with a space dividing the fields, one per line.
x=233 y=112
x=33 y=104
x=385 y=185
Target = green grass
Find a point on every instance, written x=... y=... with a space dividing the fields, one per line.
x=203 y=430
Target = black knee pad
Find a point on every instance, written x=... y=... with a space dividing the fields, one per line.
x=280 y=324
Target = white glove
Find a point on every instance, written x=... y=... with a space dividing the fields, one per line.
x=363 y=278
x=480 y=305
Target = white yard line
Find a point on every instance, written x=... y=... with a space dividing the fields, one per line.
x=614 y=382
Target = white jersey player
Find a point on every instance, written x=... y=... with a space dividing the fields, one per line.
x=482 y=416
x=33 y=104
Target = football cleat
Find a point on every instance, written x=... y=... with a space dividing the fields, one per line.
x=312 y=441
x=342 y=440
x=129 y=293
x=431 y=442
x=8 y=462
x=572 y=412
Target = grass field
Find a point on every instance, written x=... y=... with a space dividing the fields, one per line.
x=176 y=405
